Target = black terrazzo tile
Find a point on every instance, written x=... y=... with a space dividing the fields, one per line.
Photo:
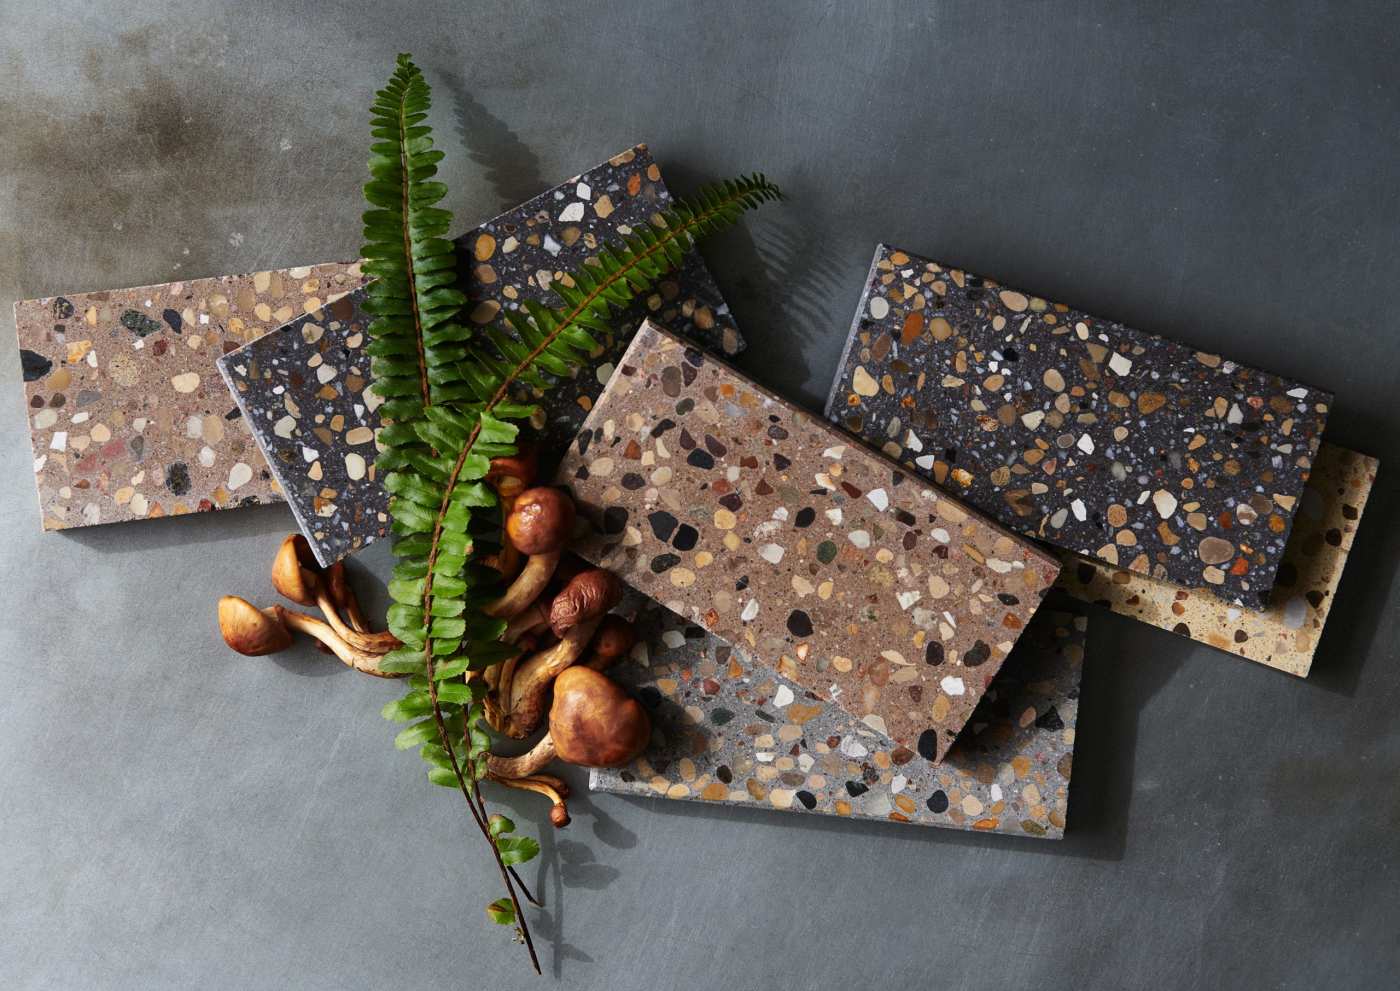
x=1094 y=437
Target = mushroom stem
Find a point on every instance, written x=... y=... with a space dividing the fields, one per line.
x=547 y=785
x=313 y=627
x=527 y=586
x=344 y=597
x=534 y=618
x=369 y=643
x=526 y=764
x=525 y=702
x=297 y=576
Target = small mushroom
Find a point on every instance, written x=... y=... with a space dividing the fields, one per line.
x=249 y=630
x=523 y=694
x=590 y=593
x=509 y=476
x=592 y=723
x=297 y=576
x=539 y=524
x=615 y=637
x=552 y=788
x=254 y=632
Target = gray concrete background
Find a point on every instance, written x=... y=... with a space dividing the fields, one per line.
x=174 y=816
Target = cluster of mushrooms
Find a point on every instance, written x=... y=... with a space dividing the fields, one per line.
x=558 y=617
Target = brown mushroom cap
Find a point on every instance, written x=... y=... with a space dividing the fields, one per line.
x=249 y=630
x=295 y=572
x=590 y=593
x=615 y=637
x=541 y=520
x=593 y=722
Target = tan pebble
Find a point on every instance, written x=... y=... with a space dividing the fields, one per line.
x=1053 y=380
x=1214 y=550
x=485 y=247
x=359 y=435
x=1013 y=301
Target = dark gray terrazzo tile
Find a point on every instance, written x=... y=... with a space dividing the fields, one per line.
x=1102 y=440
x=728 y=729
x=303 y=392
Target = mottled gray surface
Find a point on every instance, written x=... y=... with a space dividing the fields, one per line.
x=172 y=815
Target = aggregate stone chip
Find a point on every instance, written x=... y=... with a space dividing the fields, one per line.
x=1168 y=462
x=303 y=391
x=727 y=729
x=505 y=262
x=764 y=525
x=1285 y=633
x=127 y=415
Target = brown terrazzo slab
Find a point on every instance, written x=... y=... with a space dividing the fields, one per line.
x=764 y=524
x=1285 y=634
x=1094 y=437
x=726 y=729
x=128 y=416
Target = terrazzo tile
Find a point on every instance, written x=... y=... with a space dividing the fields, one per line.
x=1284 y=634
x=127 y=416
x=767 y=526
x=505 y=262
x=1094 y=437
x=729 y=730
x=303 y=392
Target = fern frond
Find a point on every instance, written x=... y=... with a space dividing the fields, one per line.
x=448 y=412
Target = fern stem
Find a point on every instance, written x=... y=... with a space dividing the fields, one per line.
x=413 y=278
x=479 y=814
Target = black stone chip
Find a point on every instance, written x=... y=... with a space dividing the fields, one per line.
x=1050 y=720
x=937 y=802
x=928 y=744
x=663 y=524
x=34 y=365
x=700 y=459
x=856 y=788
x=686 y=538
x=799 y=624
x=977 y=654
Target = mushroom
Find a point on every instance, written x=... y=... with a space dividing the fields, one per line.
x=555 y=789
x=587 y=597
x=297 y=576
x=615 y=637
x=522 y=690
x=538 y=525
x=254 y=632
x=509 y=476
x=592 y=723
x=590 y=593
x=249 y=630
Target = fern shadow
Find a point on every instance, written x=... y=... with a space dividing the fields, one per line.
x=512 y=168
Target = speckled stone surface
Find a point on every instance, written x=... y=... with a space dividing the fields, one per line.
x=303 y=392
x=726 y=729
x=765 y=525
x=1285 y=633
x=517 y=257
x=127 y=414
x=1097 y=438
x=505 y=262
